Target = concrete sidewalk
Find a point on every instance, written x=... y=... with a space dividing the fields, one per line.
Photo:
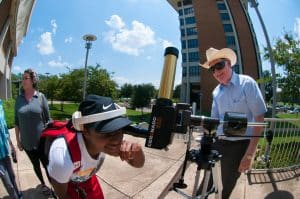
x=154 y=180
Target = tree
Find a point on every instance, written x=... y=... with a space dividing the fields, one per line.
x=267 y=81
x=126 y=90
x=69 y=87
x=142 y=95
x=287 y=55
x=16 y=84
x=176 y=93
x=100 y=82
x=52 y=85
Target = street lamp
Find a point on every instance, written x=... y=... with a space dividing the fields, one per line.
x=69 y=68
x=254 y=4
x=88 y=44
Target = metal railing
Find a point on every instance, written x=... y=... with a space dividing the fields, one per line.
x=284 y=149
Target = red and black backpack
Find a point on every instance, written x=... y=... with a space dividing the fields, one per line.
x=55 y=130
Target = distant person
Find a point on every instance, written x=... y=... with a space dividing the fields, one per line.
x=31 y=116
x=95 y=139
x=6 y=147
x=235 y=93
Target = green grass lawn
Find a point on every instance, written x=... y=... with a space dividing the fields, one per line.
x=57 y=113
x=290 y=116
x=69 y=109
x=9 y=108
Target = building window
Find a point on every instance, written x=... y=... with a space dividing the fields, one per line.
x=183 y=44
x=230 y=41
x=188 y=10
x=191 y=31
x=183 y=71
x=221 y=6
x=183 y=57
x=194 y=70
x=193 y=43
x=228 y=28
x=190 y=20
x=181 y=21
x=180 y=12
x=182 y=32
x=193 y=57
x=224 y=16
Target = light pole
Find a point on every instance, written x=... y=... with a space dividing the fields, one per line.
x=254 y=4
x=69 y=68
x=88 y=44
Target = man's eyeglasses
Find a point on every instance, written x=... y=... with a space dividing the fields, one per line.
x=218 y=66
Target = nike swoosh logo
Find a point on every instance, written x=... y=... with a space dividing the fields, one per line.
x=106 y=107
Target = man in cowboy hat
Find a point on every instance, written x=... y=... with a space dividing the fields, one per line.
x=235 y=93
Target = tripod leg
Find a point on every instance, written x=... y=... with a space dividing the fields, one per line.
x=196 y=183
x=206 y=178
x=217 y=179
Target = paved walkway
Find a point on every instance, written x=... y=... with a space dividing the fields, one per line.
x=154 y=180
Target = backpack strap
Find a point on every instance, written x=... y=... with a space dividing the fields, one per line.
x=74 y=150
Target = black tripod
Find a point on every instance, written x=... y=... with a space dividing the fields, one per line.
x=207 y=160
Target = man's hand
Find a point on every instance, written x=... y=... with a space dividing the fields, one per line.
x=250 y=152
x=20 y=147
x=132 y=153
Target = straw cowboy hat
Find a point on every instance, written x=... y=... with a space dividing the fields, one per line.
x=224 y=53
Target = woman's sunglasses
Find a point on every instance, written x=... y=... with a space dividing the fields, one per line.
x=218 y=66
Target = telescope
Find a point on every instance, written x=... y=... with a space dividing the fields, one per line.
x=167 y=119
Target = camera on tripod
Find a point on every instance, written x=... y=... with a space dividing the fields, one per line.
x=167 y=119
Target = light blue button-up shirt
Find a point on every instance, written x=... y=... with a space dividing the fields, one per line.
x=4 y=134
x=241 y=95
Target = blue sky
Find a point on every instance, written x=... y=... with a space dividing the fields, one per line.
x=131 y=35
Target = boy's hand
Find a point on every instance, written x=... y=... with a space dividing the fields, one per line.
x=132 y=153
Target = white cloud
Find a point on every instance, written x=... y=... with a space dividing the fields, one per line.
x=166 y=43
x=297 y=28
x=54 y=26
x=122 y=80
x=17 y=69
x=69 y=39
x=115 y=22
x=45 y=45
x=131 y=41
x=58 y=63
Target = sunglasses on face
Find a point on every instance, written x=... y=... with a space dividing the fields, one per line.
x=217 y=66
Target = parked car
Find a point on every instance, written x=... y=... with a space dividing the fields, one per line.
x=295 y=111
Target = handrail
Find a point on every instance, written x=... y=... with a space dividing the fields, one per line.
x=284 y=150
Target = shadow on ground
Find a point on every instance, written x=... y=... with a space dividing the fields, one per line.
x=32 y=193
x=269 y=176
x=279 y=194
